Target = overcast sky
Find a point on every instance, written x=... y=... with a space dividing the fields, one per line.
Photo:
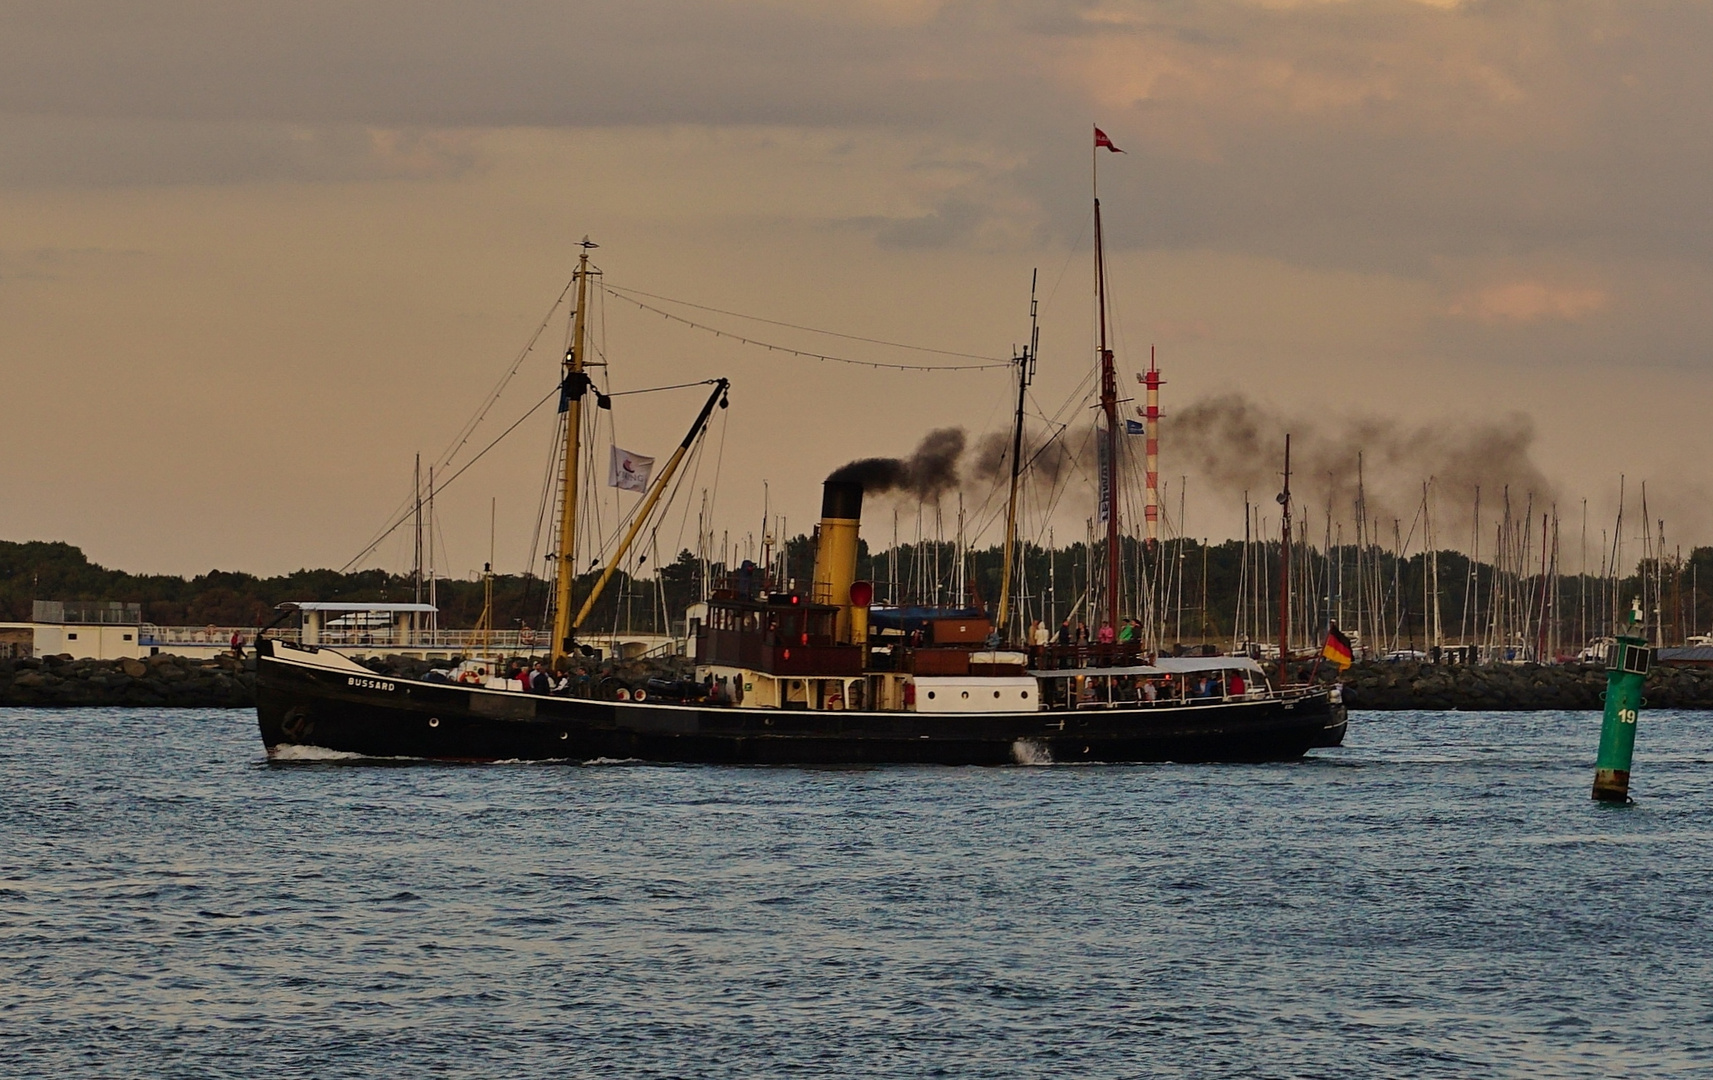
x=253 y=257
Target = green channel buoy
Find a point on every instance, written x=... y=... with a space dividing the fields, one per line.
x=1626 y=669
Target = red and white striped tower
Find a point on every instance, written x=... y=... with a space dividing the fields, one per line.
x=1151 y=416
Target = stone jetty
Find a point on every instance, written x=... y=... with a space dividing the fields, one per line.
x=220 y=683
x=161 y=680
x=1503 y=687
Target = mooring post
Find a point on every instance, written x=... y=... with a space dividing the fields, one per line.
x=1626 y=669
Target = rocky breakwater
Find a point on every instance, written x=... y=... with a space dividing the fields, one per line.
x=225 y=683
x=1520 y=687
x=161 y=680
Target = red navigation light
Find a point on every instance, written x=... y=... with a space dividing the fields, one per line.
x=795 y=598
x=787 y=655
x=805 y=640
x=862 y=593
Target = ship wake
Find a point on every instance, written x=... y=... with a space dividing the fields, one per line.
x=1031 y=752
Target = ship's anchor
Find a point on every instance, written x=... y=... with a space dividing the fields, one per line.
x=296 y=724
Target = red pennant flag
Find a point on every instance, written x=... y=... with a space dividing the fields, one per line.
x=1101 y=140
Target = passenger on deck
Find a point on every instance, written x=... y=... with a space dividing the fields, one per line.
x=1104 y=635
x=1235 y=686
x=1065 y=631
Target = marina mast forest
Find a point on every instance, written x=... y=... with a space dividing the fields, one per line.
x=1222 y=595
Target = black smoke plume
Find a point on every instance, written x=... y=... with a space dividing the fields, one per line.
x=929 y=472
x=945 y=460
x=1232 y=444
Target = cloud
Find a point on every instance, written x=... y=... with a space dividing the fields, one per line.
x=52 y=264
x=1179 y=331
x=1373 y=134
x=1530 y=301
x=82 y=152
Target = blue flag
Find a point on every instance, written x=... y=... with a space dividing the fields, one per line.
x=1134 y=427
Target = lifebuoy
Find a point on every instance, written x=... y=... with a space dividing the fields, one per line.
x=622 y=695
x=526 y=636
x=639 y=694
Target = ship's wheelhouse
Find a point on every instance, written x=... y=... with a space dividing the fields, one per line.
x=780 y=634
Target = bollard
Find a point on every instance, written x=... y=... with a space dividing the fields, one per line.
x=1626 y=670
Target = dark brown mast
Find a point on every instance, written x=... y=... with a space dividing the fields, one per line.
x=1285 y=569
x=1109 y=406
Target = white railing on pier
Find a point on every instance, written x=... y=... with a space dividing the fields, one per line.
x=468 y=642
x=150 y=634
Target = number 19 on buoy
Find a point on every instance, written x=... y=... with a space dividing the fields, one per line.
x=1626 y=669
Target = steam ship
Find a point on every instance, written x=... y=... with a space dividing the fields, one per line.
x=792 y=679
x=796 y=676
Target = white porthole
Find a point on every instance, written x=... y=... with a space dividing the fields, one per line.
x=563 y=735
x=1025 y=695
x=996 y=693
x=966 y=695
x=434 y=721
x=930 y=695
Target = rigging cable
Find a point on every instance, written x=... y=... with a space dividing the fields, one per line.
x=809 y=355
x=468 y=429
x=620 y=292
x=551 y=394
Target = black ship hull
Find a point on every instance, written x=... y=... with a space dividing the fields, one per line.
x=303 y=708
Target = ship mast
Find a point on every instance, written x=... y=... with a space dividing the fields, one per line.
x=571 y=403
x=1109 y=406
x=1285 y=570
x=1025 y=373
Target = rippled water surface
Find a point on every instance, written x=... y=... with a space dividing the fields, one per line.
x=1438 y=898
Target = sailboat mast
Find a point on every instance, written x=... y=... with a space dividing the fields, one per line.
x=1025 y=373
x=575 y=383
x=1109 y=406
x=416 y=571
x=1285 y=569
x=433 y=596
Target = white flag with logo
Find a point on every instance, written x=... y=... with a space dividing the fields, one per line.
x=629 y=471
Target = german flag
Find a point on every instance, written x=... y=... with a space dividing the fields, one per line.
x=1337 y=648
